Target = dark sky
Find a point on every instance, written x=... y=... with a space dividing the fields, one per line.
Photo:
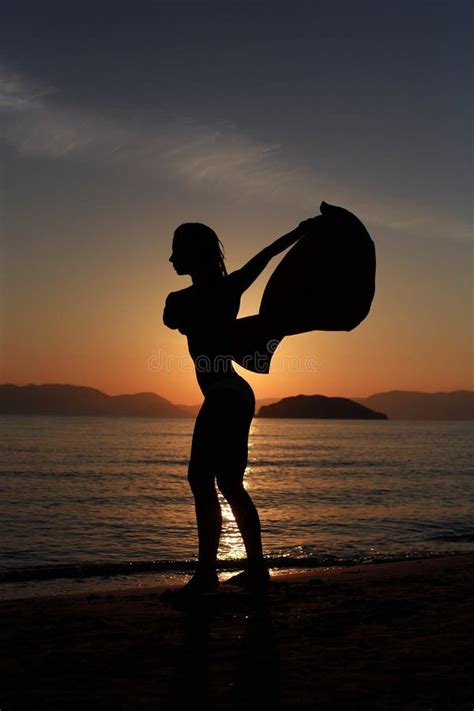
x=398 y=74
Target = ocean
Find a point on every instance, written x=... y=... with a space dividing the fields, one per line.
x=91 y=502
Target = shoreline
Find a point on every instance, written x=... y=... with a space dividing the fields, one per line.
x=392 y=635
x=78 y=580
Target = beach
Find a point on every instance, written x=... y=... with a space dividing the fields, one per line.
x=376 y=636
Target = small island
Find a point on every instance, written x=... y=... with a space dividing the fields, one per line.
x=320 y=407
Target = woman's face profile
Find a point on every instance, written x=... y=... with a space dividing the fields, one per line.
x=180 y=257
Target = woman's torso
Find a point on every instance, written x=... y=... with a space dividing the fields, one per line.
x=206 y=315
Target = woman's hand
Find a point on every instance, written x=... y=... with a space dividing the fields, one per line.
x=245 y=276
x=308 y=225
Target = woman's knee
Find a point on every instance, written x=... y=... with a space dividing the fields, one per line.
x=200 y=480
x=231 y=488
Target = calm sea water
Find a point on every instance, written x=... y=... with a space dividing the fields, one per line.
x=89 y=496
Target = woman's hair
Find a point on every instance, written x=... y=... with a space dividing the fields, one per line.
x=204 y=243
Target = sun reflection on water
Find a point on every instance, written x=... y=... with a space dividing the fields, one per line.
x=231 y=544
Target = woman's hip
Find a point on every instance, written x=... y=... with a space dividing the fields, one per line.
x=229 y=392
x=221 y=430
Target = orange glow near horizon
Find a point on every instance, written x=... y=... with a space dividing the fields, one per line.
x=98 y=323
x=354 y=364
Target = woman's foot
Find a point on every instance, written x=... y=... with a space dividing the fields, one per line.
x=200 y=584
x=252 y=578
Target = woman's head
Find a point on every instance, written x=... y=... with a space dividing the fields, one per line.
x=197 y=249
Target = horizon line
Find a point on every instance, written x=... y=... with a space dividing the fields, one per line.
x=142 y=392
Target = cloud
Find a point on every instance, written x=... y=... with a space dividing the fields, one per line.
x=162 y=144
x=17 y=93
x=35 y=124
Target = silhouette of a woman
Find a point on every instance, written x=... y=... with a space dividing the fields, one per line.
x=205 y=313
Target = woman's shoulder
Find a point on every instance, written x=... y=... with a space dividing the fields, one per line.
x=180 y=295
x=190 y=295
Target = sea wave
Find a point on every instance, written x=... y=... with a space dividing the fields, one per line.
x=129 y=568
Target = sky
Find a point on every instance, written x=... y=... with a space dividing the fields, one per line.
x=121 y=120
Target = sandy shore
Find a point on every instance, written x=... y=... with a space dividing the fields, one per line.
x=386 y=636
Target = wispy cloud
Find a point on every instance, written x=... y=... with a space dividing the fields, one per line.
x=17 y=93
x=35 y=123
x=164 y=144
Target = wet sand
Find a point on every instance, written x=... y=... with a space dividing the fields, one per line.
x=379 y=636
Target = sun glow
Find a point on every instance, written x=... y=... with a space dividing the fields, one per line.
x=231 y=543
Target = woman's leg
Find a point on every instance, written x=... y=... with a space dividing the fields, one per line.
x=202 y=482
x=220 y=448
x=208 y=517
x=246 y=515
x=237 y=412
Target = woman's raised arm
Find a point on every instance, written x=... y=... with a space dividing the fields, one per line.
x=246 y=275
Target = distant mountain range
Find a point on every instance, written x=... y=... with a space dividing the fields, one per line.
x=321 y=407
x=406 y=405
x=58 y=399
